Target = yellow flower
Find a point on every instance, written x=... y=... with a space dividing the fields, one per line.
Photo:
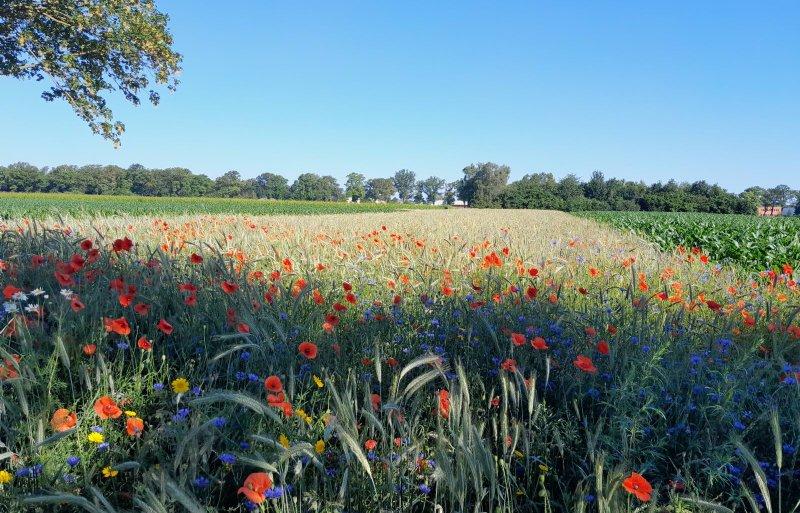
x=110 y=472
x=319 y=446
x=518 y=455
x=180 y=386
x=130 y=413
x=95 y=438
x=303 y=415
x=5 y=477
x=284 y=440
x=318 y=381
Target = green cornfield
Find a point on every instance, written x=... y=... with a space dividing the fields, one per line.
x=752 y=243
x=41 y=205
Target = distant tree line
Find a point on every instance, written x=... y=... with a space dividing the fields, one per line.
x=483 y=185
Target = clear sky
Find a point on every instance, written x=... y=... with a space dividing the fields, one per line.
x=648 y=90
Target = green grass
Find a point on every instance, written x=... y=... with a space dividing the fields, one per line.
x=750 y=242
x=42 y=205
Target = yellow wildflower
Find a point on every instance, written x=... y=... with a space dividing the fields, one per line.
x=319 y=446
x=318 y=381
x=95 y=438
x=130 y=413
x=5 y=477
x=303 y=415
x=180 y=386
x=284 y=440
x=110 y=472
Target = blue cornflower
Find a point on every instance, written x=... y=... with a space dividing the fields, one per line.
x=197 y=391
x=219 y=422
x=69 y=478
x=424 y=488
x=103 y=447
x=122 y=345
x=227 y=458
x=97 y=429
x=245 y=356
x=158 y=387
x=73 y=461
x=201 y=482
x=182 y=414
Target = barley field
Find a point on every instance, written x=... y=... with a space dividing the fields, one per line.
x=416 y=361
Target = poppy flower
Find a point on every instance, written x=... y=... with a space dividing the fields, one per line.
x=76 y=304
x=255 y=487
x=273 y=384
x=308 y=349
x=165 y=327
x=122 y=245
x=229 y=287
x=638 y=486
x=191 y=300
x=119 y=326
x=444 y=404
x=509 y=364
x=10 y=290
x=89 y=349
x=602 y=347
x=64 y=279
x=86 y=244
x=518 y=339
x=63 y=420
x=375 y=400
x=585 y=364
x=539 y=343
x=370 y=444
x=106 y=408
x=243 y=327
x=125 y=300
x=195 y=258
x=134 y=426
x=142 y=309
x=37 y=261
x=144 y=344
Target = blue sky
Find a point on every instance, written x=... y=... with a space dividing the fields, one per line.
x=640 y=90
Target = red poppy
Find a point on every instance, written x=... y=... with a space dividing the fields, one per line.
x=287 y=265
x=86 y=245
x=539 y=343
x=191 y=300
x=165 y=327
x=119 y=326
x=255 y=487
x=134 y=426
x=10 y=290
x=142 y=309
x=585 y=364
x=126 y=299
x=63 y=420
x=276 y=399
x=518 y=339
x=392 y=362
x=89 y=349
x=144 y=344
x=509 y=364
x=76 y=304
x=273 y=384
x=444 y=403
x=350 y=298
x=229 y=287
x=187 y=287
x=106 y=408
x=375 y=400
x=347 y=287
x=638 y=486
x=195 y=258
x=308 y=349
x=122 y=245
x=243 y=327
x=64 y=279
x=602 y=347
x=339 y=307
x=37 y=261
x=370 y=444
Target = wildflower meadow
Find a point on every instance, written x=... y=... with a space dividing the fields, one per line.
x=454 y=360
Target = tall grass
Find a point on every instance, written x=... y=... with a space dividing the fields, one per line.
x=418 y=399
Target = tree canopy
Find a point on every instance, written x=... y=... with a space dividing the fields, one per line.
x=87 y=48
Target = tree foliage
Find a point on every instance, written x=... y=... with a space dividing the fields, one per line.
x=404 y=183
x=87 y=48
